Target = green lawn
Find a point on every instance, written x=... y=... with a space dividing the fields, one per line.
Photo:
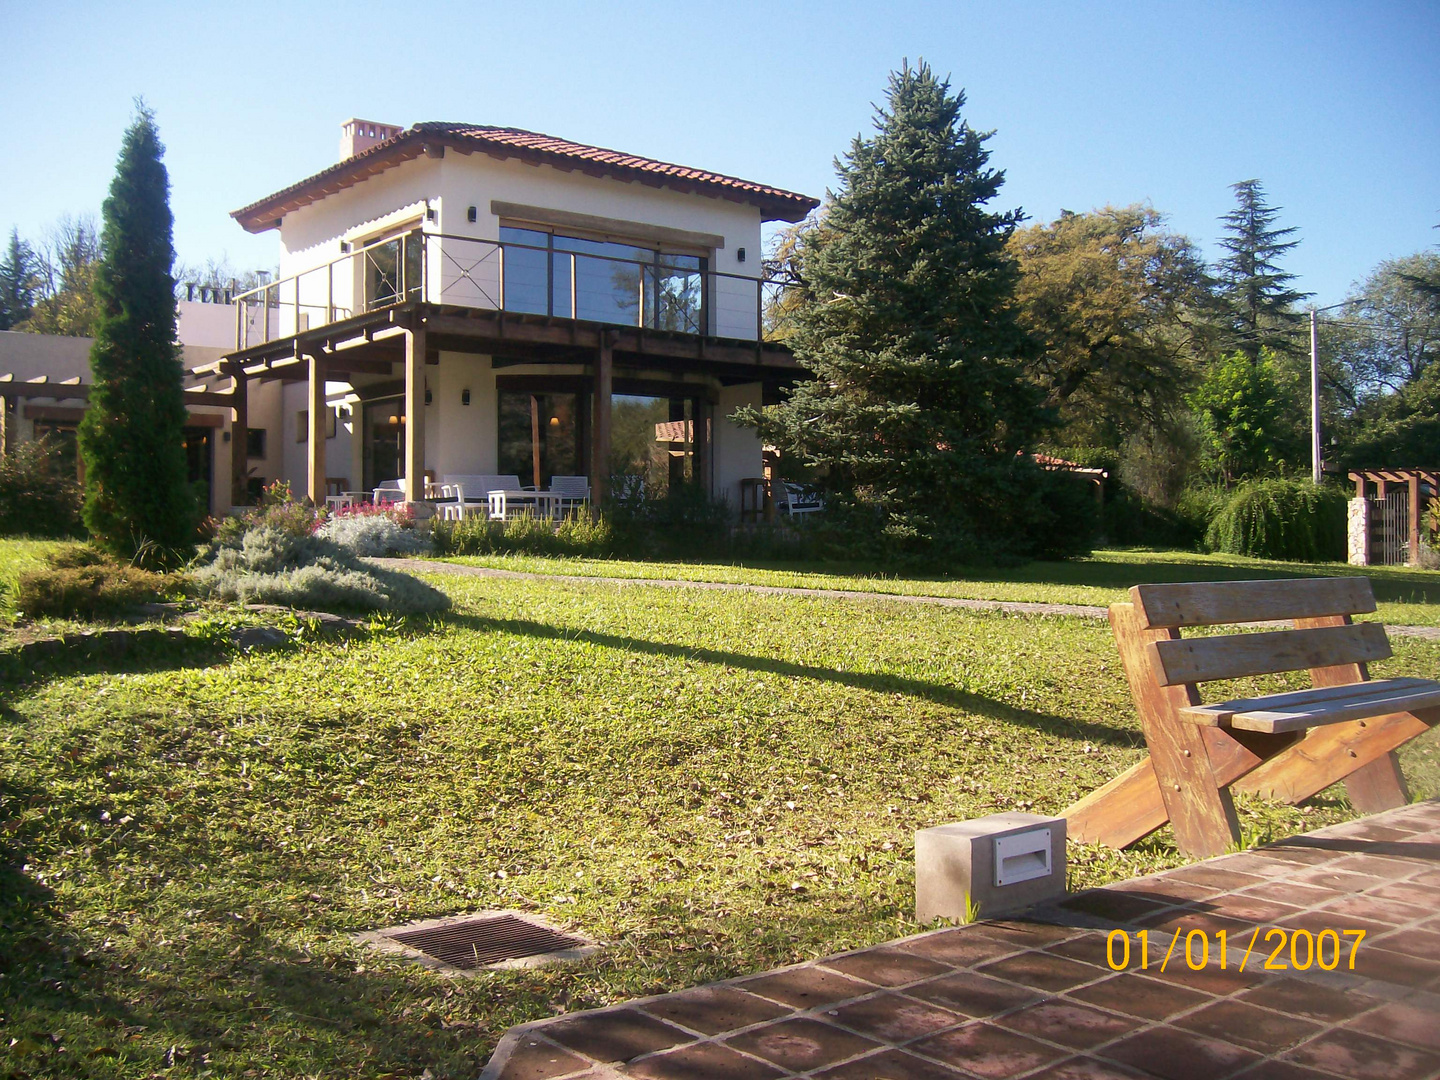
x=1405 y=596
x=712 y=783
x=16 y=557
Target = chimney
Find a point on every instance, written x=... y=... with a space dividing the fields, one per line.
x=357 y=136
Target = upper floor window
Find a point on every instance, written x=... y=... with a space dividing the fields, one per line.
x=548 y=273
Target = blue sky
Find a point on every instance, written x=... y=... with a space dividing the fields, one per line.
x=1334 y=106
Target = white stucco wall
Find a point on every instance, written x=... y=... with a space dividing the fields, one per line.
x=738 y=451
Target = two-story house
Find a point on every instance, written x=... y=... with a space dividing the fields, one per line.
x=460 y=299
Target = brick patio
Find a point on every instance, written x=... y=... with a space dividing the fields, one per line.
x=1034 y=997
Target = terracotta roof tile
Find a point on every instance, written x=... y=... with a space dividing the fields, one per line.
x=775 y=203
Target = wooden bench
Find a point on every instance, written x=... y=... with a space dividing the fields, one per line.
x=1286 y=746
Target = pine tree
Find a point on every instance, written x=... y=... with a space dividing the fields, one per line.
x=137 y=500
x=1259 y=302
x=17 y=282
x=918 y=414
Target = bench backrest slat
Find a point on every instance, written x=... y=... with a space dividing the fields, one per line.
x=1212 y=603
x=1236 y=656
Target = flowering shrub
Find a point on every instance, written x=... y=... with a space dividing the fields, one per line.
x=371 y=535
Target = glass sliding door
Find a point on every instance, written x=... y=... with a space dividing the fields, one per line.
x=539 y=436
x=384 y=446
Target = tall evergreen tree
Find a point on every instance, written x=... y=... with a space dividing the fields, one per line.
x=18 y=282
x=137 y=500
x=1259 y=302
x=918 y=412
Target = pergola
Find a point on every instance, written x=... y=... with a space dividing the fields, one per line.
x=1413 y=481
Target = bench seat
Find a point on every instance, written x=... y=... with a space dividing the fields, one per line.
x=1300 y=709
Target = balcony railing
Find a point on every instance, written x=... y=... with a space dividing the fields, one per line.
x=664 y=293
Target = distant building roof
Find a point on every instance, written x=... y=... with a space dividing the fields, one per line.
x=433 y=138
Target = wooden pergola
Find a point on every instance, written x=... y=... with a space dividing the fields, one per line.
x=1412 y=481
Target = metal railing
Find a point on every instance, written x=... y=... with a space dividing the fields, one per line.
x=663 y=293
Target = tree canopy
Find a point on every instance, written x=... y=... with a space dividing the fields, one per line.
x=137 y=500
x=918 y=414
x=1259 y=301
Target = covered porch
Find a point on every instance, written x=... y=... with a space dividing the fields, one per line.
x=420 y=391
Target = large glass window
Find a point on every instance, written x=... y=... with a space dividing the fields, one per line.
x=603 y=281
x=392 y=270
x=652 y=442
x=539 y=436
x=384 y=449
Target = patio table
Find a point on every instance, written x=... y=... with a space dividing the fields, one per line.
x=545 y=503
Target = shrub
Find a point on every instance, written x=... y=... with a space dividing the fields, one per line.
x=1068 y=518
x=39 y=495
x=577 y=534
x=81 y=583
x=268 y=564
x=373 y=535
x=1133 y=521
x=1281 y=519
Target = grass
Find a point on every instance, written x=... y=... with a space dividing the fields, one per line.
x=1404 y=595
x=711 y=783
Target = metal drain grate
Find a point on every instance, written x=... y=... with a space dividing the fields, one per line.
x=474 y=943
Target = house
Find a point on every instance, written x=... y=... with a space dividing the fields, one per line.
x=462 y=299
x=45 y=384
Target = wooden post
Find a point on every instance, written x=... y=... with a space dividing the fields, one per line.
x=702 y=435
x=535 y=438
x=315 y=403
x=414 y=415
x=4 y=427
x=1414 y=519
x=239 y=437
x=600 y=425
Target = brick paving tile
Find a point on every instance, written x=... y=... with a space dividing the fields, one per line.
x=972 y=994
x=988 y=1051
x=1177 y=892
x=1254 y=910
x=1317 y=921
x=1274 y=1069
x=702 y=1061
x=1339 y=880
x=1359 y=1056
x=1378 y=909
x=894 y=1018
x=1024 y=932
x=1394 y=967
x=617 y=1035
x=1187 y=919
x=958 y=947
x=888 y=967
x=536 y=1059
x=1113 y=904
x=1069 y=1023
x=1042 y=970
x=1298 y=852
x=1215 y=877
x=1406 y=892
x=1091 y=949
x=1086 y=1068
x=1179 y=1055
x=713 y=1010
x=1292 y=892
x=1430 y=877
x=891 y=1065
x=1141 y=997
x=1238 y=1022
x=1258 y=863
x=1309 y=999
x=806 y=987
x=802 y=1044
x=1212 y=979
x=1416 y=941
x=1404 y=1023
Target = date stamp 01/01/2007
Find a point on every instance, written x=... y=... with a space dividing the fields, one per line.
x=1280 y=949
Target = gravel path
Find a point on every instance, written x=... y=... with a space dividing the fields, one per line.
x=1015 y=607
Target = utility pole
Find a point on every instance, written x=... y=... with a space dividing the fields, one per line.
x=1315 y=463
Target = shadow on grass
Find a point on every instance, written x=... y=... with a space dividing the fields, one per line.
x=937 y=693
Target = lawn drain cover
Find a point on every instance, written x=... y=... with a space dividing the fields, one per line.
x=490 y=939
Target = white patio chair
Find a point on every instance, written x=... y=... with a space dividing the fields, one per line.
x=573 y=492
x=389 y=491
x=799 y=499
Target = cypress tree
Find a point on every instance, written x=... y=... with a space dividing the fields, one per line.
x=137 y=499
x=918 y=412
x=17 y=283
x=1256 y=293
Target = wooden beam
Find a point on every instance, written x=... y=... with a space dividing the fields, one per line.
x=315 y=403
x=414 y=415
x=600 y=424
x=239 y=438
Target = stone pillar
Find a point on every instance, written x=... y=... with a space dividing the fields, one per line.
x=1357 y=544
x=315 y=403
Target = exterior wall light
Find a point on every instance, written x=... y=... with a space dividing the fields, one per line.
x=465 y=396
x=739 y=254
x=470 y=215
x=428 y=396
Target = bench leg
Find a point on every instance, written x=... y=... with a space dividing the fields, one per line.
x=1378 y=786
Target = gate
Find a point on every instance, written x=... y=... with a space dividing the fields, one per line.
x=1390 y=529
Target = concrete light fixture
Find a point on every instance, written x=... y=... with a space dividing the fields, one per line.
x=998 y=864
